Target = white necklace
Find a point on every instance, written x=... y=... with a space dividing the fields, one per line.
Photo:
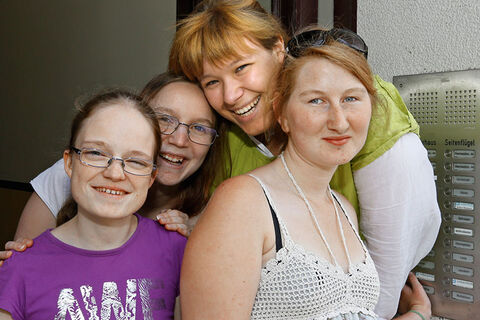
x=312 y=214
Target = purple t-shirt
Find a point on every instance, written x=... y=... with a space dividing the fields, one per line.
x=53 y=280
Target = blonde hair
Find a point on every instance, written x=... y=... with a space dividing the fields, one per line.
x=216 y=32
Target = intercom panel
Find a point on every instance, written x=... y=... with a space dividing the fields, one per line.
x=447 y=107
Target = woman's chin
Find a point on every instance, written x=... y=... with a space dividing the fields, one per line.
x=168 y=181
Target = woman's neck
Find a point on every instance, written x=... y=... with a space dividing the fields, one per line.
x=160 y=197
x=311 y=177
x=91 y=232
x=274 y=139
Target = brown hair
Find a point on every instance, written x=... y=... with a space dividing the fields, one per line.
x=106 y=98
x=195 y=189
x=216 y=32
x=335 y=52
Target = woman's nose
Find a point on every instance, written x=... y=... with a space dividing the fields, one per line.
x=337 y=119
x=232 y=91
x=180 y=136
x=115 y=170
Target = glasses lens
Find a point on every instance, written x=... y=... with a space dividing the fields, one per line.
x=95 y=158
x=201 y=134
x=139 y=167
x=167 y=123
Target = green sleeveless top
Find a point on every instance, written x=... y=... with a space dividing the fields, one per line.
x=390 y=120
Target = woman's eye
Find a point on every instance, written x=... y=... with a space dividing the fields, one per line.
x=210 y=83
x=95 y=153
x=350 y=99
x=243 y=66
x=165 y=120
x=316 y=101
x=198 y=128
x=137 y=163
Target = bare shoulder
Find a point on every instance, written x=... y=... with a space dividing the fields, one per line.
x=236 y=194
x=236 y=203
x=223 y=256
x=349 y=209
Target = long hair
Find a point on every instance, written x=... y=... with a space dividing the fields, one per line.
x=195 y=190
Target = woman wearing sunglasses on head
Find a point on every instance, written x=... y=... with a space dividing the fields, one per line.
x=188 y=161
x=235 y=49
x=99 y=262
x=303 y=258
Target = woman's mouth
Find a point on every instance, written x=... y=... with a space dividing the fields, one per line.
x=337 y=141
x=245 y=111
x=116 y=192
x=171 y=158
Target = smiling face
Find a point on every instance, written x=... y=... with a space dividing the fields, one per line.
x=110 y=193
x=179 y=156
x=327 y=114
x=238 y=88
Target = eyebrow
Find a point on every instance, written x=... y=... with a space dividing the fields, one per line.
x=171 y=112
x=102 y=145
x=316 y=91
x=244 y=57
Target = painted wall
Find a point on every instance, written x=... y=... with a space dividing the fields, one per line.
x=53 y=51
x=325 y=13
x=413 y=37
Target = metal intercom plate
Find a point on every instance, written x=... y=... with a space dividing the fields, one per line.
x=447 y=107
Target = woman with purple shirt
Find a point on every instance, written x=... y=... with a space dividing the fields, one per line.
x=99 y=263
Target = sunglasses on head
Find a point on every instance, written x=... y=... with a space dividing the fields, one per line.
x=317 y=38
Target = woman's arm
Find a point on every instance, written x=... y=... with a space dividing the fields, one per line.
x=4 y=315
x=400 y=217
x=223 y=256
x=35 y=219
x=414 y=302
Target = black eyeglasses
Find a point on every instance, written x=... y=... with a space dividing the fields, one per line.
x=101 y=159
x=317 y=38
x=197 y=133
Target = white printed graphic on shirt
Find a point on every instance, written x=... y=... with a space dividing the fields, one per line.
x=144 y=285
x=90 y=303
x=111 y=301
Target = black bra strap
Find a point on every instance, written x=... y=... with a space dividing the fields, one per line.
x=276 y=226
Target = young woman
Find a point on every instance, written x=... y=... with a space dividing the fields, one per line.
x=303 y=258
x=100 y=262
x=235 y=49
x=187 y=164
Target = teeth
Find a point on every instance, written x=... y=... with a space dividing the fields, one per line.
x=110 y=191
x=172 y=158
x=248 y=108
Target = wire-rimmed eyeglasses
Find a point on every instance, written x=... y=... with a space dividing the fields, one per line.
x=101 y=159
x=317 y=38
x=197 y=133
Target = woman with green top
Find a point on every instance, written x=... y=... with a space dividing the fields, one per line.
x=303 y=257
x=235 y=49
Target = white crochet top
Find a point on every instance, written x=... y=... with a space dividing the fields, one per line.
x=297 y=284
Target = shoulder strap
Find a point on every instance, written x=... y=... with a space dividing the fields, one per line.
x=276 y=224
x=348 y=219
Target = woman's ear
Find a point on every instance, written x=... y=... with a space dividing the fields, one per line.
x=279 y=50
x=279 y=116
x=67 y=162
x=152 y=179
